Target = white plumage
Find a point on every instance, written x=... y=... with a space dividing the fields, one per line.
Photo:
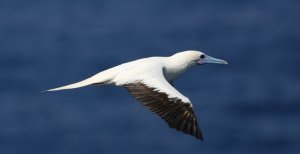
x=150 y=81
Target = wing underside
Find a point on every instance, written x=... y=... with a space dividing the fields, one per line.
x=178 y=114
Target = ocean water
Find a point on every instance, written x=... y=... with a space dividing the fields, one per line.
x=250 y=106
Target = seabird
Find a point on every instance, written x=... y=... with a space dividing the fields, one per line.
x=150 y=81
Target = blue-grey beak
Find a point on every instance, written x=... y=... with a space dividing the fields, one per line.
x=209 y=59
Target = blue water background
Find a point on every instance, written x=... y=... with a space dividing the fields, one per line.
x=250 y=106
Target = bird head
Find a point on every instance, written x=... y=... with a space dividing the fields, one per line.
x=192 y=58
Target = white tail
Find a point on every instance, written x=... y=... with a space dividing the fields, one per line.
x=83 y=83
x=101 y=78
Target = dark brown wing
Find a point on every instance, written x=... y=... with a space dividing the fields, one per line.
x=177 y=114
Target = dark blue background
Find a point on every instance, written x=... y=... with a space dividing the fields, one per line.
x=250 y=106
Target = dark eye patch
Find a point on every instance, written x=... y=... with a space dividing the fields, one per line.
x=202 y=56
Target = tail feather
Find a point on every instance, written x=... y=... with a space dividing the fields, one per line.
x=83 y=83
x=101 y=78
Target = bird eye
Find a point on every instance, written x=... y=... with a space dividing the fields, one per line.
x=202 y=56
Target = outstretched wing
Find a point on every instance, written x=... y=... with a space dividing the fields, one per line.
x=163 y=99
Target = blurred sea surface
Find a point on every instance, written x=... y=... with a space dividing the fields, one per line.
x=250 y=106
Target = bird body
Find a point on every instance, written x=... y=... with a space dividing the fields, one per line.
x=150 y=80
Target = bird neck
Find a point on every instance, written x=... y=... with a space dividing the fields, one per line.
x=174 y=67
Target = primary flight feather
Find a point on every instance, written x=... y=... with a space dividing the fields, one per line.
x=150 y=80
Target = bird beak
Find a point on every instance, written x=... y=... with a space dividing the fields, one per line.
x=209 y=59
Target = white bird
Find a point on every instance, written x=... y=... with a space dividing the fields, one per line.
x=150 y=81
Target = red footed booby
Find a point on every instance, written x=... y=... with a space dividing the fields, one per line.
x=150 y=81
